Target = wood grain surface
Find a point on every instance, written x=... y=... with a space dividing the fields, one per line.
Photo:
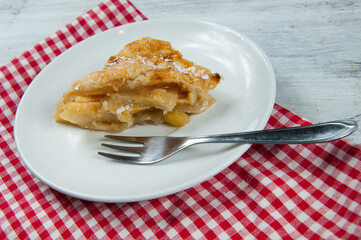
x=314 y=46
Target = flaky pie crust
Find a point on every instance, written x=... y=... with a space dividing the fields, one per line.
x=146 y=82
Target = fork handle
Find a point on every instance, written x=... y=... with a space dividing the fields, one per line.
x=316 y=133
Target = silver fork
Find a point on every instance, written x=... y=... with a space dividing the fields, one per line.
x=147 y=150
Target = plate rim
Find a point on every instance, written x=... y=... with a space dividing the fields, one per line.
x=168 y=191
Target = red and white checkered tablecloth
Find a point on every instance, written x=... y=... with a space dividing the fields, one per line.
x=273 y=191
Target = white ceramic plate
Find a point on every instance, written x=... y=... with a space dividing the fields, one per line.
x=65 y=157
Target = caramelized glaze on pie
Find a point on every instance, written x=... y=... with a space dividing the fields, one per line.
x=146 y=82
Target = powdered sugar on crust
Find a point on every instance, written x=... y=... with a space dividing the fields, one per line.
x=122 y=109
x=117 y=60
x=163 y=65
x=191 y=69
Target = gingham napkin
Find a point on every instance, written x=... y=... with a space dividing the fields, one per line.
x=272 y=191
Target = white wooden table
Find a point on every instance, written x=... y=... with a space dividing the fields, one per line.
x=314 y=46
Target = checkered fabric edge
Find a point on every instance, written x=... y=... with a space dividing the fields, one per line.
x=272 y=191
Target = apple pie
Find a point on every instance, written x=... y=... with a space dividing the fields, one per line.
x=146 y=82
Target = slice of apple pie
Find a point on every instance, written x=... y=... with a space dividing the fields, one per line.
x=146 y=82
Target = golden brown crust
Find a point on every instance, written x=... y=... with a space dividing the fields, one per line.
x=162 y=63
x=103 y=80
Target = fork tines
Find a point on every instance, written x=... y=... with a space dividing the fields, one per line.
x=128 y=148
